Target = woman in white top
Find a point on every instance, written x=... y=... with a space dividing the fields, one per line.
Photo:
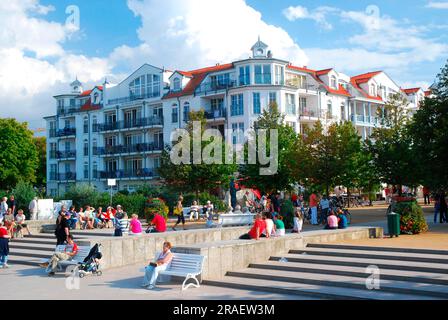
x=298 y=221
x=194 y=210
x=153 y=269
x=270 y=227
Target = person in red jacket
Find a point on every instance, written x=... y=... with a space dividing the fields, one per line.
x=257 y=229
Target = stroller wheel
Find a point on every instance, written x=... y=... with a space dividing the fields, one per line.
x=82 y=274
x=99 y=273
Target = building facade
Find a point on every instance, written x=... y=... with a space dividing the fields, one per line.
x=119 y=131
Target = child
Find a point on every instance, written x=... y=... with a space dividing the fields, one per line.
x=298 y=220
x=135 y=225
x=20 y=222
x=4 y=246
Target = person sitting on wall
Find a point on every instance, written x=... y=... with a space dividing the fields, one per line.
x=208 y=209
x=194 y=211
x=20 y=223
x=159 y=224
x=332 y=221
x=342 y=220
x=279 y=225
x=257 y=229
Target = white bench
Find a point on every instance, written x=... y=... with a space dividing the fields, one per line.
x=231 y=219
x=83 y=252
x=188 y=213
x=185 y=265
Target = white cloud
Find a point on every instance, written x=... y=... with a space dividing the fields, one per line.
x=197 y=33
x=295 y=13
x=319 y=15
x=437 y=5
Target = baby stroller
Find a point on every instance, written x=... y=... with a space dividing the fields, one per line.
x=91 y=263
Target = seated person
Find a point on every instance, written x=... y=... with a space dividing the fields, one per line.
x=20 y=222
x=89 y=217
x=74 y=218
x=9 y=222
x=135 y=226
x=257 y=229
x=208 y=209
x=279 y=225
x=209 y=223
x=343 y=221
x=270 y=227
x=82 y=219
x=122 y=225
x=71 y=249
x=99 y=219
x=237 y=209
x=109 y=217
x=194 y=210
x=153 y=269
x=332 y=221
x=298 y=220
x=159 y=224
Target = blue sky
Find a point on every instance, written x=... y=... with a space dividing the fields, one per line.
x=407 y=39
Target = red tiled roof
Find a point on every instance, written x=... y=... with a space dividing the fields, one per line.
x=363 y=78
x=427 y=93
x=88 y=92
x=365 y=94
x=303 y=69
x=185 y=73
x=88 y=106
x=411 y=90
x=322 y=72
x=197 y=76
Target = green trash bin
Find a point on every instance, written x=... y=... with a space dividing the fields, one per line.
x=393 y=224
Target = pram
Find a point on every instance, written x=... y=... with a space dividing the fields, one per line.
x=91 y=264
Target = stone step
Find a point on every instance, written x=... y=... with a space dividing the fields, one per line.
x=391 y=286
x=379 y=249
x=387 y=274
x=358 y=262
x=317 y=291
x=31 y=246
x=401 y=256
x=25 y=261
x=91 y=233
x=40 y=236
x=32 y=253
x=43 y=241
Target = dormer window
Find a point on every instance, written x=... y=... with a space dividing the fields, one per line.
x=372 y=90
x=176 y=84
x=96 y=98
x=333 y=82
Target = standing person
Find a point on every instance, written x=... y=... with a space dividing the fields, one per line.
x=325 y=207
x=426 y=195
x=32 y=207
x=275 y=202
x=20 y=222
x=3 y=208
x=313 y=205
x=74 y=217
x=122 y=225
x=264 y=202
x=153 y=269
x=135 y=225
x=12 y=204
x=4 y=246
x=62 y=229
x=443 y=208
x=179 y=211
x=436 y=207
x=387 y=194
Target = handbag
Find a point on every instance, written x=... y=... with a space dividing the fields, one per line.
x=177 y=211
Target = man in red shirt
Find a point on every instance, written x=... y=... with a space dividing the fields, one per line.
x=257 y=229
x=426 y=194
x=159 y=224
x=313 y=205
x=71 y=249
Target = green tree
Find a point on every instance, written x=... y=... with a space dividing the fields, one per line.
x=23 y=193
x=18 y=154
x=187 y=177
x=271 y=118
x=429 y=135
x=41 y=172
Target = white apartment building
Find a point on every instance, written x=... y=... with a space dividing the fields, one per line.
x=119 y=131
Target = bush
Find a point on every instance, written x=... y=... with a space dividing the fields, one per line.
x=132 y=203
x=153 y=206
x=412 y=220
x=23 y=194
x=218 y=204
x=82 y=195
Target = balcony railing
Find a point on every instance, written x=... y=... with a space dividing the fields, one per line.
x=53 y=176
x=128 y=124
x=218 y=113
x=210 y=87
x=66 y=132
x=132 y=148
x=66 y=176
x=123 y=174
x=365 y=119
x=67 y=110
x=309 y=112
x=134 y=97
x=62 y=154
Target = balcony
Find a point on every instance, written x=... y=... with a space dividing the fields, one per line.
x=214 y=87
x=215 y=114
x=132 y=148
x=309 y=112
x=66 y=176
x=134 y=97
x=129 y=124
x=63 y=154
x=77 y=107
x=53 y=176
x=361 y=119
x=66 y=132
x=128 y=174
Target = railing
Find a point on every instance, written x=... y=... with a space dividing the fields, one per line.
x=66 y=176
x=218 y=113
x=66 y=110
x=127 y=124
x=53 y=176
x=62 y=154
x=309 y=112
x=134 y=97
x=66 y=132
x=364 y=119
x=139 y=147
x=214 y=87
x=120 y=174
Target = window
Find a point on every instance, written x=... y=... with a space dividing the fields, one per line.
x=94 y=145
x=111 y=118
x=329 y=109
x=290 y=104
x=237 y=132
x=86 y=148
x=61 y=103
x=174 y=114
x=262 y=74
x=67 y=124
x=217 y=106
x=279 y=75
x=96 y=98
x=292 y=124
x=145 y=86
x=67 y=146
x=156 y=163
x=342 y=111
x=237 y=107
x=186 y=111
x=296 y=80
x=333 y=82
x=272 y=97
x=220 y=80
x=72 y=103
x=95 y=170
x=95 y=124
x=244 y=75
x=86 y=125
x=256 y=100
x=176 y=84
x=86 y=170
x=372 y=90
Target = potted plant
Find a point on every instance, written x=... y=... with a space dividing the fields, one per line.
x=153 y=206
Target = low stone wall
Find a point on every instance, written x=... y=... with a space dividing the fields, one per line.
x=127 y=250
x=38 y=226
x=232 y=255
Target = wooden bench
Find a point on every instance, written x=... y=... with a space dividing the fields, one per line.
x=231 y=219
x=83 y=252
x=185 y=265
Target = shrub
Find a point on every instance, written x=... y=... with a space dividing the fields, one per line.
x=412 y=220
x=218 y=204
x=132 y=203
x=153 y=206
x=23 y=194
x=82 y=195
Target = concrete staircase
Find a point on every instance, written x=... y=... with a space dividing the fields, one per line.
x=328 y=271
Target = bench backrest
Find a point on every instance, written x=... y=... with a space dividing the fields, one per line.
x=236 y=219
x=83 y=252
x=185 y=262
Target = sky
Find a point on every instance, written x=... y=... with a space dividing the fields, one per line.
x=45 y=44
